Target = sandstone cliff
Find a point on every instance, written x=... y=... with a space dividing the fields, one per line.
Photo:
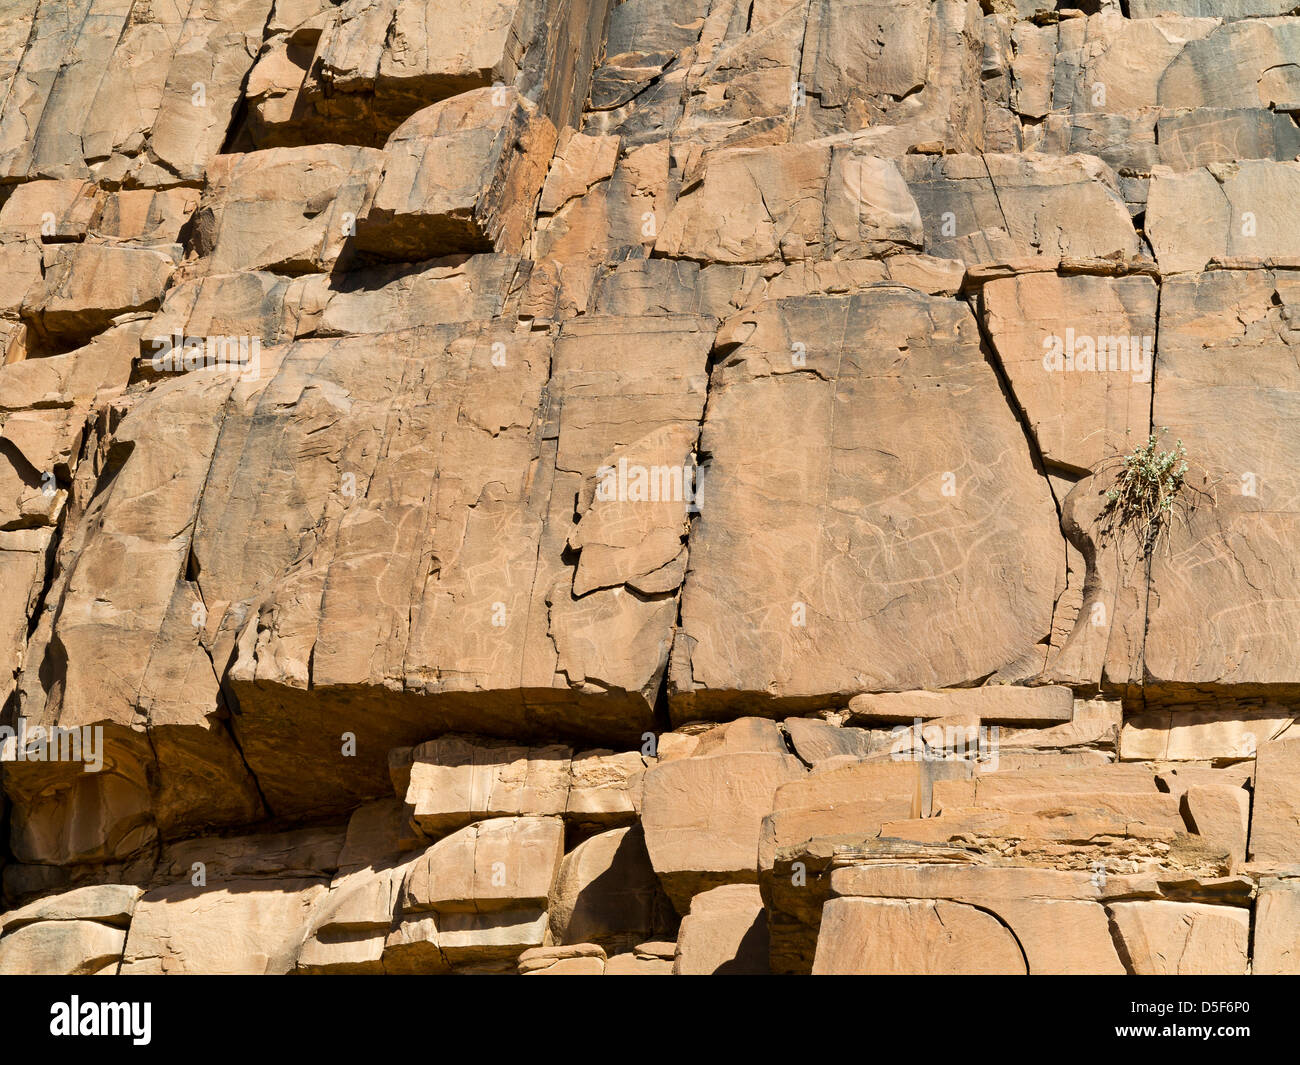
x=577 y=486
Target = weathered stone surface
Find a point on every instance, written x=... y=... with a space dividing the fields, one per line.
x=1275 y=813
x=1208 y=8
x=620 y=213
x=1238 y=64
x=505 y=863
x=1064 y=816
x=230 y=928
x=703 y=815
x=61 y=948
x=852 y=800
x=605 y=787
x=112 y=815
x=272 y=660
x=1096 y=723
x=300 y=853
x=252 y=214
x=454 y=782
x=49 y=210
x=490 y=940
x=572 y=967
x=350 y=924
x=328 y=951
x=1223 y=211
x=496 y=486
x=24 y=556
x=637 y=965
x=830 y=510
x=758 y=204
x=145 y=216
x=110 y=904
x=1079 y=353
x=1178 y=939
x=1054 y=916
x=994 y=207
x=1224 y=593
x=1177 y=779
x=905 y=937
x=389 y=299
x=1275 y=948
x=459 y=645
x=1185 y=734
x=580 y=162
x=248 y=304
x=725 y=933
x=936 y=879
x=86 y=286
x=411 y=948
x=120 y=91
x=1191 y=139
x=606 y=892
x=372 y=64
x=460 y=176
x=354 y=71
x=992 y=703
x=581 y=959
x=817 y=741
x=912 y=65
x=1221 y=815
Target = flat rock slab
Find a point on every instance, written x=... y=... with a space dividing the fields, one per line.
x=460 y=176
x=1079 y=352
x=1275 y=948
x=454 y=782
x=606 y=892
x=110 y=904
x=1223 y=211
x=993 y=704
x=251 y=216
x=233 y=927
x=1055 y=916
x=1225 y=590
x=725 y=933
x=703 y=815
x=1275 y=815
x=503 y=863
x=980 y=208
x=847 y=549
x=1182 y=939
x=1188 y=735
x=61 y=948
x=851 y=800
x=909 y=937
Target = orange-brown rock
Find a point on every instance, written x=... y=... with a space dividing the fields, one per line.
x=624 y=487
x=912 y=937
x=703 y=814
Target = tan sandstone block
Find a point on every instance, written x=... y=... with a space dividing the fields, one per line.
x=1178 y=939
x=725 y=933
x=900 y=937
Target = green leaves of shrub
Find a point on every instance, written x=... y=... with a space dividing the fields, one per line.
x=1145 y=490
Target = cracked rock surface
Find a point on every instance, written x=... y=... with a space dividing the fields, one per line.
x=592 y=487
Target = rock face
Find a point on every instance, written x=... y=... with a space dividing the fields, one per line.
x=906 y=937
x=701 y=814
x=576 y=487
x=725 y=933
x=808 y=541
